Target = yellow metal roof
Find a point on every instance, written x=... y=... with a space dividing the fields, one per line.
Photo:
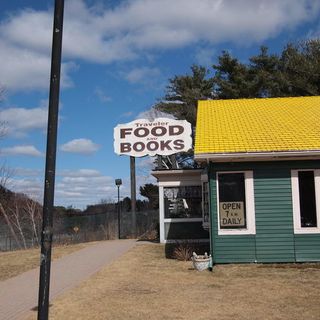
x=258 y=125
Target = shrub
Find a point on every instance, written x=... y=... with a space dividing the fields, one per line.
x=183 y=251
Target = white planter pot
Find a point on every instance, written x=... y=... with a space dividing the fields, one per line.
x=201 y=263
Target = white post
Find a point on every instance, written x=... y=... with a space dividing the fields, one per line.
x=161 y=215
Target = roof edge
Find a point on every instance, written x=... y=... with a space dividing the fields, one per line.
x=258 y=156
x=165 y=172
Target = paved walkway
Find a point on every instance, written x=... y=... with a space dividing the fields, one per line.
x=19 y=295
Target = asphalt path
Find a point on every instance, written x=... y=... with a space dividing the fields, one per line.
x=19 y=295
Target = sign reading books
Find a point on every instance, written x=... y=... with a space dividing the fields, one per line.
x=232 y=214
x=161 y=136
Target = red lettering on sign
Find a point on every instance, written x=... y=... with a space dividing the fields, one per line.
x=165 y=145
x=125 y=147
x=154 y=147
x=124 y=132
x=178 y=144
x=144 y=133
x=175 y=130
x=139 y=146
x=155 y=131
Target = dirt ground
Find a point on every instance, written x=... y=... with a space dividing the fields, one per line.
x=142 y=284
x=16 y=262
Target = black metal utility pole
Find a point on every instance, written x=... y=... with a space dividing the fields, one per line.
x=48 y=200
x=133 y=195
x=119 y=233
x=118 y=184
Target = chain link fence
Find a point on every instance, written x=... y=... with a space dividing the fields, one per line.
x=69 y=229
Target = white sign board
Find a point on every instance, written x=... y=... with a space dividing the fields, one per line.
x=158 y=137
x=232 y=214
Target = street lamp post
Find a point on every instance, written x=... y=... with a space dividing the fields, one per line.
x=48 y=198
x=118 y=184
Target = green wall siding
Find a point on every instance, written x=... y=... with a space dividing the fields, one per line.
x=227 y=249
x=307 y=247
x=274 y=219
x=274 y=240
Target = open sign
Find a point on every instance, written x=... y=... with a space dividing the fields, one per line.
x=159 y=137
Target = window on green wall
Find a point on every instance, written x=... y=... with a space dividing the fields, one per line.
x=235 y=205
x=306 y=200
x=307 y=197
x=232 y=209
x=182 y=202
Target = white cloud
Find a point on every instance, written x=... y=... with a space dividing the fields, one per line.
x=145 y=163
x=73 y=187
x=82 y=146
x=80 y=187
x=204 y=56
x=153 y=113
x=26 y=150
x=127 y=114
x=142 y=75
x=102 y=95
x=32 y=186
x=21 y=120
x=25 y=69
x=314 y=33
x=26 y=172
x=85 y=186
x=134 y=27
x=80 y=173
x=144 y=166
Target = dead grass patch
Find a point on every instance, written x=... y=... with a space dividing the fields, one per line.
x=142 y=284
x=16 y=262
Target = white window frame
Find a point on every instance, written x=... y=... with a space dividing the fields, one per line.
x=250 y=206
x=162 y=218
x=204 y=179
x=296 y=201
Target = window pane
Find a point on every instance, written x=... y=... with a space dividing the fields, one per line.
x=205 y=201
x=182 y=202
x=232 y=208
x=185 y=230
x=307 y=198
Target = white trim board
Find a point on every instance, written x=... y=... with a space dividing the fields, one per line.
x=250 y=207
x=177 y=241
x=178 y=220
x=161 y=215
x=191 y=183
x=258 y=156
x=296 y=201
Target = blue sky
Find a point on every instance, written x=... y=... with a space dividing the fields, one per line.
x=117 y=59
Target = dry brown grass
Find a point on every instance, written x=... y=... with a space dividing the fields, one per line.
x=14 y=263
x=142 y=284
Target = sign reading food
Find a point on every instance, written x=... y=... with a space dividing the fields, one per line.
x=158 y=137
x=232 y=214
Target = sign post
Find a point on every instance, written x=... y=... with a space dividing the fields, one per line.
x=133 y=195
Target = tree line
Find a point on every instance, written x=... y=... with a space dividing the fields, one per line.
x=293 y=72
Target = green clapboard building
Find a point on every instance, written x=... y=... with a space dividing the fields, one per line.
x=263 y=160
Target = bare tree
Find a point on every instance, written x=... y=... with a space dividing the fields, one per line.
x=33 y=212
x=5 y=171
x=10 y=226
x=23 y=218
x=6 y=174
x=3 y=124
x=3 y=129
